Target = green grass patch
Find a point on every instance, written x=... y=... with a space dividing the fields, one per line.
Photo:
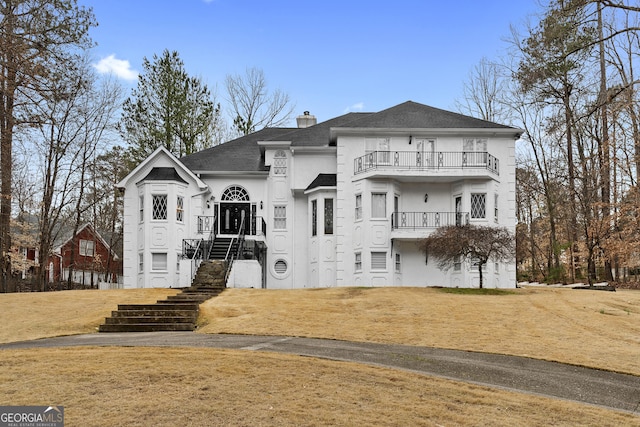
x=476 y=291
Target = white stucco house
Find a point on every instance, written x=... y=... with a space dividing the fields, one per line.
x=337 y=203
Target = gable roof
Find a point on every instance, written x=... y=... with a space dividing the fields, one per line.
x=160 y=151
x=93 y=231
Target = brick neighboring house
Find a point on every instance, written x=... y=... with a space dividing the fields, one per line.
x=92 y=257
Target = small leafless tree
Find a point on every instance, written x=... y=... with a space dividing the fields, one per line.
x=451 y=244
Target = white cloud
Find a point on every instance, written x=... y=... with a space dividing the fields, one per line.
x=355 y=107
x=118 y=67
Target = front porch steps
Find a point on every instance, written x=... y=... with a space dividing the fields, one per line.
x=177 y=312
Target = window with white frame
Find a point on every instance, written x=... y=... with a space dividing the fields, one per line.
x=280 y=163
x=378 y=205
x=398 y=263
x=314 y=217
x=158 y=261
x=457 y=264
x=358 y=211
x=475 y=150
x=328 y=216
x=159 y=206
x=478 y=205
x=87 y=247
x=495 y=207
x=378 y=261
x=279 y=217
x=180 y=209
x=475 y=263
x=141 y=208
x=358 y=262
x=377 y=150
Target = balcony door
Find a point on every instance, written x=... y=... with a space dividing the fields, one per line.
x=425 y=152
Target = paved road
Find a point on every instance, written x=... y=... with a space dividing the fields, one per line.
x=591 y=386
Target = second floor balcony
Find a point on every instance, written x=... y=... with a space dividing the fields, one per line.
x=425 y=162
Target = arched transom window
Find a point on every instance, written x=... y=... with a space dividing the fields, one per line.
x=235 y=193
x=280 y=163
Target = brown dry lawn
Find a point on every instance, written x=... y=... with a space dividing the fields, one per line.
x=208 y=387
x=590 y=328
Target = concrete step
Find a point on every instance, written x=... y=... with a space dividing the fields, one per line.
x=159 y=307
x=155 y=313
x=124 y=320
x=147 y=327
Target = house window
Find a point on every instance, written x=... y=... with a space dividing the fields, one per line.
x=279 y=217
x=235 y=193
x=378 y=151
x=314 y=217
x=475 y=151
x=457 y=264
x=358 y=206
x=378 y=260
x=358 y=263
x=180 y=209
x=478 y=205
x=378 y=205
x=328 y=216
x=280 y=163
x=141 y=208
x=159 y=261
x=475 y=263
x=140 y=262
x=159 y=206
x=398 y=263
x=495 y=207
x=86 y=247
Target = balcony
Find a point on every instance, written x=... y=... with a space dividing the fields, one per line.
x=431 y=163
x=414 y=225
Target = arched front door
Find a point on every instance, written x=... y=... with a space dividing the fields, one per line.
x=235 y=208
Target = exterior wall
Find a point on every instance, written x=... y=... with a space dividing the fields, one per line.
x=368 y=235
x=143 y=238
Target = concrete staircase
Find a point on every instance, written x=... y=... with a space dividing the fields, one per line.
x=176 y=313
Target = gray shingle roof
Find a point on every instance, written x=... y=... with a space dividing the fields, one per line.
x=242 y=154
x=323 y=180
x=245 y=155
x=412 y=115
x=163 y=174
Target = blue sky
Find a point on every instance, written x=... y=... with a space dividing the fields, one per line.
x=330 y=56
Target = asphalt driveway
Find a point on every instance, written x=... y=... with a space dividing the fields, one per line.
x=592 y=386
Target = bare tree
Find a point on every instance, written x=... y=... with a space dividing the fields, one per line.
x=452 y=243
x=254 y=107
x=484 y=92
x=35 y=36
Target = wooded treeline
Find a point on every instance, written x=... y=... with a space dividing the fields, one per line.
x=68 y=134
x=569 y=81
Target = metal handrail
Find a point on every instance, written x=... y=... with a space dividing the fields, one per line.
x=232 y=255
x=423 y=160
x=415 y=220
